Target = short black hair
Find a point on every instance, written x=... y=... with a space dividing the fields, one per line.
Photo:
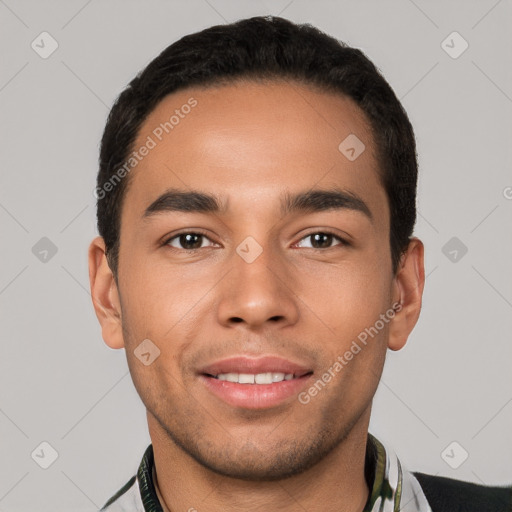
x=262 y=47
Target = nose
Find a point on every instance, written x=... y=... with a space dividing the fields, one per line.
x=258 y=293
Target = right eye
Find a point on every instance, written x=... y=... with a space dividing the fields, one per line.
x=188 y=241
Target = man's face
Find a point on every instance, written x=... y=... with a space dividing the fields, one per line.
x=255 y=289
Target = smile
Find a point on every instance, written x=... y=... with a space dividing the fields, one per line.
x=255 y=383
x=259 y=378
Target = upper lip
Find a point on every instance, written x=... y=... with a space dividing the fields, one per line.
x=244 y=364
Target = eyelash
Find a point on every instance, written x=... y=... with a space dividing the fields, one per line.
x=342 y=241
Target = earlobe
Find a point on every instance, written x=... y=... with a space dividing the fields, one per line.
x=105 y=296
x=408 y=291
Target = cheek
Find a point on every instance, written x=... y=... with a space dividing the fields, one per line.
x=156 y=298
x=155 y=384
x=164 y=306
x=348 y=296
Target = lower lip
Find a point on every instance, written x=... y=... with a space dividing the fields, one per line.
x=255 y=396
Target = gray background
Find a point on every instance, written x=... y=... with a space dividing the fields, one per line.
x=61 y=384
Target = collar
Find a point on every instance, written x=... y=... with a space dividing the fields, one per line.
x=392 y=488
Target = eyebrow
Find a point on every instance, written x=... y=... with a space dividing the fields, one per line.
x=310 y=201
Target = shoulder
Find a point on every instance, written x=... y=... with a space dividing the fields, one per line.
x=447 y=494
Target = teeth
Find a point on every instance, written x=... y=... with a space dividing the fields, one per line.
x=264 y=378
x=259 y=378
x=245 y=378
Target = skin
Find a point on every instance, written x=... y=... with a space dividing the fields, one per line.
x=248 y=143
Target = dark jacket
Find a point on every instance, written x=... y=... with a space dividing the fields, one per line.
x=448 y=495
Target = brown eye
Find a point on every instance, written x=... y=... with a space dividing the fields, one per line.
x=321 y=240
x=187 y=241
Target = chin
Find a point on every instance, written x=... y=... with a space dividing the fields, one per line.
x=250 y=462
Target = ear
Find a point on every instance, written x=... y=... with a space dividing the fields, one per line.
x=408 y=285
x=105 y=296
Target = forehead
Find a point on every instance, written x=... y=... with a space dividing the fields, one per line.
x=248 y=141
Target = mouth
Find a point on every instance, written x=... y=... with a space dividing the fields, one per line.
x=252 y=378
x=249 y=383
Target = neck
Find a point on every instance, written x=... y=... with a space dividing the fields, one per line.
x=335 y=484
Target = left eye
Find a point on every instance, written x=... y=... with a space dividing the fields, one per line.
x=188 y=241
x=321 y=240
